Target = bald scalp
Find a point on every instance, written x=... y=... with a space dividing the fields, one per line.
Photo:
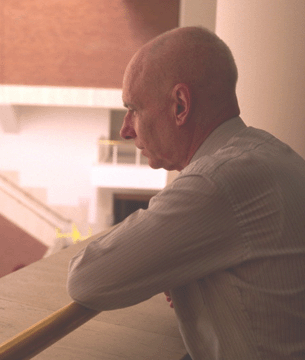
x=191 y=55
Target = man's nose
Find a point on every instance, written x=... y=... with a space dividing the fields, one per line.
x=127 y=131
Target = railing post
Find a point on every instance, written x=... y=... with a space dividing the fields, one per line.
x=138 y=157
x=115 y=155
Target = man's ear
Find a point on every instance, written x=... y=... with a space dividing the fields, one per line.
x=182 y=103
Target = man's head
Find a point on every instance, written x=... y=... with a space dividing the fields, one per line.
x=178 y=88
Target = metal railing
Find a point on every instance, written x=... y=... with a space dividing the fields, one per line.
x=120 y=152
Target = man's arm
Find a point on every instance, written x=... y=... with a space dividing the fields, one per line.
x=186 y=233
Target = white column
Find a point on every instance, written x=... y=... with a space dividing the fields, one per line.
x=9 y=119
x=267 y=39
x=198 y=13
x=92 y=211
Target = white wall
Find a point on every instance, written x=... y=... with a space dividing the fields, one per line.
x=55 y=149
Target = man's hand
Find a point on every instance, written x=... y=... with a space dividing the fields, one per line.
x=169 y=299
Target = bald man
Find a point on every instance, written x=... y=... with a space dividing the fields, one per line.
x=225 y=240
x=182 y=91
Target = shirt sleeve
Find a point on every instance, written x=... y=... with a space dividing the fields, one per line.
x=187 y=232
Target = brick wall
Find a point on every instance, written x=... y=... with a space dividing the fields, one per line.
x=17 y=247
x=84 y=43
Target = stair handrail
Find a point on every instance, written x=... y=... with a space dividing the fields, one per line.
x=37 y=202
x=46 y=332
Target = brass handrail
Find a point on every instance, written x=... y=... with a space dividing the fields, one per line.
x=46 y=332
x=115 y=142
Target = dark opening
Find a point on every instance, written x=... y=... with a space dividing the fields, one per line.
x=126 y=204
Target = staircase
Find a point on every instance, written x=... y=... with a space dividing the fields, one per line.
x=29 y=213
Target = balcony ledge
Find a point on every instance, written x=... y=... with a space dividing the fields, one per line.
x=61 y=96
x=128 y=177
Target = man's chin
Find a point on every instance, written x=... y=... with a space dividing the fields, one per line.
x=155 y=164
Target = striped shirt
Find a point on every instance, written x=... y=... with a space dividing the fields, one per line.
x=227 y=237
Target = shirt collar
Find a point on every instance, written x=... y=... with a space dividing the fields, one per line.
x=219 y=137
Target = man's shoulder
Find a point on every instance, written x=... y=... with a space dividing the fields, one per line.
x=249 y=148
